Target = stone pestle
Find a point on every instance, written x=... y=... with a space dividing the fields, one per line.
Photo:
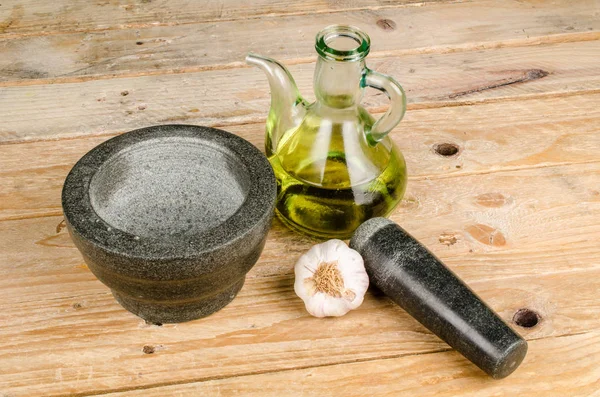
x=421 y=284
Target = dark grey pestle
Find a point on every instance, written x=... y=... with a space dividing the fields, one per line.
x=421 y=284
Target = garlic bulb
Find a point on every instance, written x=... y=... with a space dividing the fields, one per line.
x=331 y=279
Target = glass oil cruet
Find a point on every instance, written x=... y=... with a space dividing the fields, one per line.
x=334 y=163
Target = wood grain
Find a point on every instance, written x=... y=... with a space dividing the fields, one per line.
x=432 y=28
x=84 y=342
x=29 y=17
x=490 y=136
x=51 y=303
x=242 y=95
x=513 y=85
x=541 y=232
x=443 y=374
x=77 y=338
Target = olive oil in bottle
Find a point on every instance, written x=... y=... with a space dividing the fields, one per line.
x=330 y=180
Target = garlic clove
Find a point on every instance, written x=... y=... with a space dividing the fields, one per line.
x=353 y=269
x=331 y=279
x=323 y=305
x=332 y=250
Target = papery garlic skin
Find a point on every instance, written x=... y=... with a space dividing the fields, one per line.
x=332 y=255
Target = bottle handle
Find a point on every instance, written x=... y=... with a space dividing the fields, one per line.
x=395 y=113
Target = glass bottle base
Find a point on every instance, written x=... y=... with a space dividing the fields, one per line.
x=312 y=233
x=336 y=213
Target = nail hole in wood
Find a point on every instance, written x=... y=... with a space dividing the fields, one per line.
x=61 y=226
x=386 y=24
x=148 y=349
x=526 y=318
x=124 y=93
x=139 y=42
x=446 y=149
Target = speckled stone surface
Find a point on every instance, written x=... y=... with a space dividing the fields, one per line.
x=423 y=286
x=171 y=217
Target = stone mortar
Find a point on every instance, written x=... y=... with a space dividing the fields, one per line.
x=171 y=217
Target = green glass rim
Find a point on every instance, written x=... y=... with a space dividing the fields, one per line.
x=331 y=32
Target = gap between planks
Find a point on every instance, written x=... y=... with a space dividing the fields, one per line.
x=507 y=169
x=469 y=47
x=302 y=367
x=521 y=375
x=376 y=111
x=79 y=297
x=59 y=212
x=258 y=372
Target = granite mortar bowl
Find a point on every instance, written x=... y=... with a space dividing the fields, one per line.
x=171 y=217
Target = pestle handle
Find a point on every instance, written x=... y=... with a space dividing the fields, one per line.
x=421 y=284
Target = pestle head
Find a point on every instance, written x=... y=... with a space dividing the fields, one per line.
x=362 y=235
x=421 y=284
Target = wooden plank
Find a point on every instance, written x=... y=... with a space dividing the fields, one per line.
x=194 y=47
x=487 y=226
x=225 y=97
x=521 y=239
x=29 y=17
x=88 y=344
x=555 y=367
x=491 y=137
x=498 y=225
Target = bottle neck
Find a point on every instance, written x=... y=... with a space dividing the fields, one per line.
x=337 y=84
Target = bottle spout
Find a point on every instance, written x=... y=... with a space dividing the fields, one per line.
x=287 y=106
x=282 y=84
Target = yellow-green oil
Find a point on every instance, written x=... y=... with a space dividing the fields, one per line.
x=330 y=179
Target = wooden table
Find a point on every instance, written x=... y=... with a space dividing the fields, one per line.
x=514 y=85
